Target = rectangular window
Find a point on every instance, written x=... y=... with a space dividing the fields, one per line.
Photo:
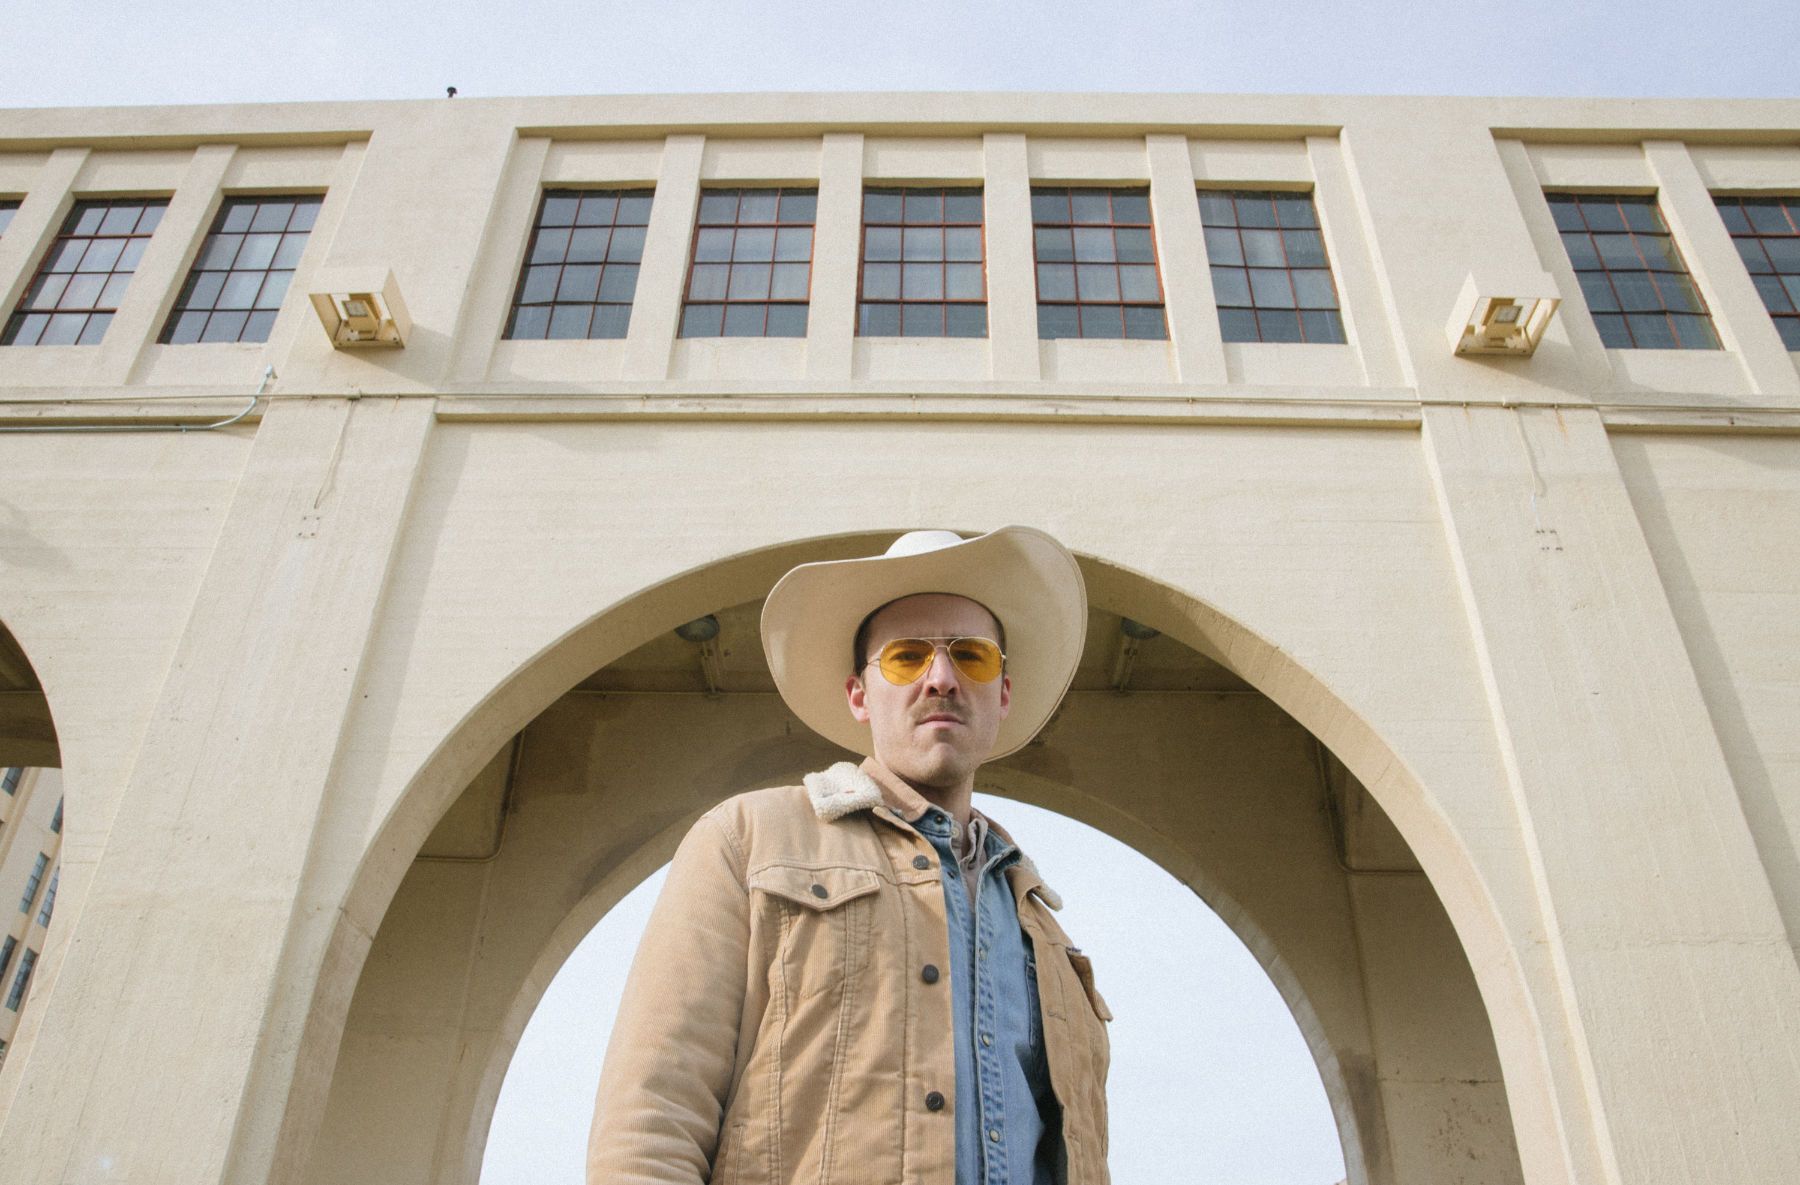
x=1271 y=277
x=7 y=210
x=581 y=268
x=23 y=980
x=9 y=781
x=1766 y=231
x=6 y=954
x=922 y=256
x=83 y=275
x=1631 y=272
x=752 y=265
x=32 y=882
x=43 y=918
x=56 y=820
x=1096 y=263
x=238 y=282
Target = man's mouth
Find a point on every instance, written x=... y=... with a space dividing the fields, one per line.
x=941 y=718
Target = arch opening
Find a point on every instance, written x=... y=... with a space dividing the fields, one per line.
x=1177 y=1112
x=725 y=730
x=31 y=849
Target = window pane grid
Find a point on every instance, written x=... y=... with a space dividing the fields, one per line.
x=750 y=273
x=581 y=265
x=83 y=275
x=1096 y=263
x=8 y=208
x=1271 y=275
x=1766 y=232
x=1631 y=272
x=923 y=264
x=243 y=270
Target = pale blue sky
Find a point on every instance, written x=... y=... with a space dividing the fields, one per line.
x=184 y=51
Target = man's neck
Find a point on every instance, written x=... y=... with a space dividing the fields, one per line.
x=954 y=802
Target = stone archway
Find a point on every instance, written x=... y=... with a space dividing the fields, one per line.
x=473 y=933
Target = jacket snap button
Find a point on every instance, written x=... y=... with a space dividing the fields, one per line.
x=929 y=973
x=820 y=891
x=934 y=1101
x=921 y=862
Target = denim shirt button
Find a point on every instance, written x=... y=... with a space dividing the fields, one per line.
x=929 y=973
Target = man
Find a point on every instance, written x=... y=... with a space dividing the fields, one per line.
x=860 y=980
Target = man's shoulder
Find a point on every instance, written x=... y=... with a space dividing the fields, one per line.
x=794 y=819
x=769 y=803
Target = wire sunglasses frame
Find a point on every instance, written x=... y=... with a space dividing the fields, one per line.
x=902 y=662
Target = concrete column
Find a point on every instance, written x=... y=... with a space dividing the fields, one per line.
x=656 y=308
x=1738 y=311
x=1012 y=270
x=1197 y=347
x=167 y=1042
x=831 y=319
x=1670 y=1018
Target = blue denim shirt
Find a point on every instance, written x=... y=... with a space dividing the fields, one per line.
x=1008 y=1127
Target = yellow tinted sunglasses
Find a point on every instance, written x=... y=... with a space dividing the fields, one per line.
x=903 y=660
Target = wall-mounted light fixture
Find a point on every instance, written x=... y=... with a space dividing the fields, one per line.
x=1486 y=322
x=363 y=309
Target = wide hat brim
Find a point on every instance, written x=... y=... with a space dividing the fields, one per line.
x=1026 y=578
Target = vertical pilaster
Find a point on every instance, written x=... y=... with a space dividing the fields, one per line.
x=1359 y=287
x=656 y=309
x=1197 y=347
x=1012 y=274
x=1671 y=1014
x=177 y=958
x=1739 y=313
x=831 y=318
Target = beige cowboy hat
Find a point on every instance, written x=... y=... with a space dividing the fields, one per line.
x=1025 y=578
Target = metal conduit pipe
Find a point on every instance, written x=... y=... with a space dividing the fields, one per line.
x=262 y=388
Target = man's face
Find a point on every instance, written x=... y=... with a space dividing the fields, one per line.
x=936 y=730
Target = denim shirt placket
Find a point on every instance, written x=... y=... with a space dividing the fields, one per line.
x=983 y=1138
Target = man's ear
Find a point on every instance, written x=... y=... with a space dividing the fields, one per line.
x=1005 y=695
x=854 y=693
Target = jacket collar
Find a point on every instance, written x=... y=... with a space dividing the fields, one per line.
x=844 y=789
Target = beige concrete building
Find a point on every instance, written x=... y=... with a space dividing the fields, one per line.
x=1463 y=685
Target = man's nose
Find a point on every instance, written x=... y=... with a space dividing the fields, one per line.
x=940 y=676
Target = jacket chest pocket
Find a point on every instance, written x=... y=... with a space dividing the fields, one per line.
x=826 y=920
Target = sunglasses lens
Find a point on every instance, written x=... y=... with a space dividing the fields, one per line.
x=905 y=659
x=977 y=658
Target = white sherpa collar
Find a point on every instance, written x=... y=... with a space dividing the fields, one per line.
x=844 y=789
x=840 y=790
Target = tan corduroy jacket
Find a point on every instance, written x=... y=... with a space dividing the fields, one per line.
x=779 y=1023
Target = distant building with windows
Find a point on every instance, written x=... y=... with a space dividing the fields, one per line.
x=31 y=822
x=1434 y=465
